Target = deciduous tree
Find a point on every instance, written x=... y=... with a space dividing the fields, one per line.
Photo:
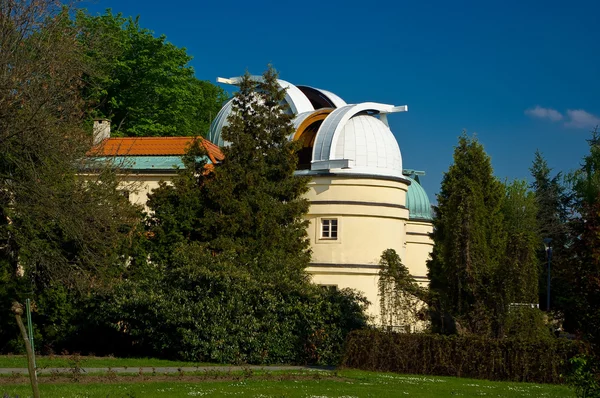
x=401 y=300
x=583 y=310
x=143 y=83
x=517 y=277
x=55 y=227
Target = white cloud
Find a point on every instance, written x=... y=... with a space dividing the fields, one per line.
x=579 y=118
x=544 y=113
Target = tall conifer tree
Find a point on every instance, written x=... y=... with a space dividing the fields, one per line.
x=518 y=276
x=252 y=203
x=552 y=222
x=469 y=239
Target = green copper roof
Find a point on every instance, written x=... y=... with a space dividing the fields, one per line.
x=158 y=163
x=417 y=202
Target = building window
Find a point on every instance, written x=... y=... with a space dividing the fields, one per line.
x=329 y=228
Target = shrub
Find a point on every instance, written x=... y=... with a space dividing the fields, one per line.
x=540 y=361
x=207 y=308
x=585 y=376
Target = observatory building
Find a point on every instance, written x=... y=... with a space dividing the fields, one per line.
x=362 y=201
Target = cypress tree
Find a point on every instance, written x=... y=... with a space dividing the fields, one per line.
x=469 y=241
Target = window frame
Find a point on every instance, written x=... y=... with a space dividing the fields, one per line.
x=333 y=228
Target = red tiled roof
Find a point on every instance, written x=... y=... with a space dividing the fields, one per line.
x=152 y=146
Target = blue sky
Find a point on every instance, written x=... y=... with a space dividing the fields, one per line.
x=523 y=75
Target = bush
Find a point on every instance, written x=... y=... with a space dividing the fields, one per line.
x=207 y=308
x=585 y=376
x=526 y=323
x=539 y=361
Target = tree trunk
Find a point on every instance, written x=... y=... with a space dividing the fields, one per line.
x=18 y=310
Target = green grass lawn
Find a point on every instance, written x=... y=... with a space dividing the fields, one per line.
x=345 y=383
x=67 y=361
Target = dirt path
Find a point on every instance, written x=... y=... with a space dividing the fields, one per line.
x=149 y=374
x=158 y=370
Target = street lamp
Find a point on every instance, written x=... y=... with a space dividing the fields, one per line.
x=549 y=256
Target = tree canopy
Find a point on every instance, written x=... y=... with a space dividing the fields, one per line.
x=484 y=259
x=582 y=310
x=56 y=229
x=229 y=247
x=552 y=219
x=251 y=203
x=468 y=238
x=143 y=83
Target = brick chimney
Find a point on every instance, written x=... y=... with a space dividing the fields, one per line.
x=101 y=130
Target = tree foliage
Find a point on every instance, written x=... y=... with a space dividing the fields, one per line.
x=208 y=308
x=143 y=83
x=251 y=203
x=230 y=248
x=518 y=275
x=401 y=299
x=469 y=240
x=583 y=310
x=55 y=228
x=484 y=260
x=553 y=203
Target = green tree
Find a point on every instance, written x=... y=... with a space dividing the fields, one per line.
x=552 y=220
x=517 y=278
x=231 y=249
x=469 y=242
x=583 y=310
x=55 y=228
x=251 y=203
x=144 y=84
x=209 y=308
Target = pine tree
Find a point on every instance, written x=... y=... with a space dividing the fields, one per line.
x=469 y=241
x=251 y=204
x=552 y=222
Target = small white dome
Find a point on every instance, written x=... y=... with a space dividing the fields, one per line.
x=352 y=141
x=366 y=144
x=371 y=144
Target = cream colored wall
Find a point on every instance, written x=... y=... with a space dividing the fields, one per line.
x=358 y=189
x=366 y=226
x=365 y=230
x=141 y=185
x=359 y=278
x=418 y=247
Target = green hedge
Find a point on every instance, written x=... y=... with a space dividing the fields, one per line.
x=542 y=361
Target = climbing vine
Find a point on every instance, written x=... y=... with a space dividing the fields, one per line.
x=401 y=299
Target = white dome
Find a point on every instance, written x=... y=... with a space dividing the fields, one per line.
x=300 y=99
x=220 y=121
x=363 y=145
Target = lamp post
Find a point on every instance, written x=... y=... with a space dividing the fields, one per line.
x=549 y=256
